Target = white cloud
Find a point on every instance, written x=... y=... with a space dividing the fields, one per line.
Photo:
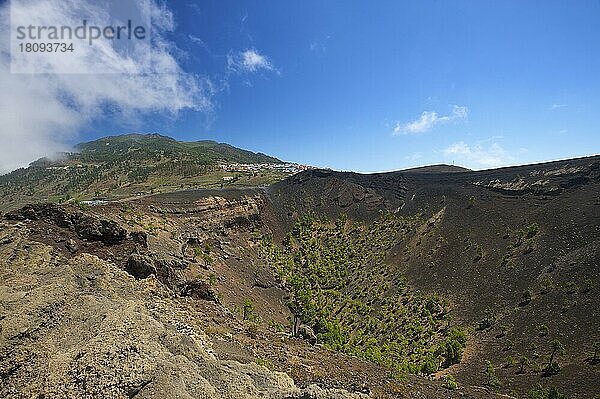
x=249 y=61
x=477 y=156
x=556 y=106
x=459 y=112
x=429 y=119
x=423 y=124
x=42 y=112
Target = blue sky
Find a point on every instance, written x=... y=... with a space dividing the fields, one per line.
x=372 y=86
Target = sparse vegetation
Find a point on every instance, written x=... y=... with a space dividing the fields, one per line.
x=542 y=393
x=557 y=349
x=596 y=355
x=333 y=269
x=249 y=313
x=547 y=284
x=488 y=320
x=490 y=372
x=524 y=244
x=526 y=297
x=523 y=363
x=450 y=382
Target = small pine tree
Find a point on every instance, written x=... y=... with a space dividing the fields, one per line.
x=596 y=356
x=523 y=363
x=249 y=312
x=557 y=349
x=490 y=372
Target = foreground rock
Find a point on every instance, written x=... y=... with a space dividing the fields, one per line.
x=84 y=328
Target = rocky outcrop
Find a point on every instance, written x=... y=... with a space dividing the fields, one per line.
x=198 y=290
x=86 y=226
x=551 y=180
x=243 y=211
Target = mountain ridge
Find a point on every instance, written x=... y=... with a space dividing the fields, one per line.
x=130 y=164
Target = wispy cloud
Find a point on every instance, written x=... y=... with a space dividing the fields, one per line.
x=316 y=47
x=249 y=61
x=429 y=119
x=556 y=106
x=40 y=113
x=197 y=40
x=478 y=156
x=195 y=7
x=319 y=46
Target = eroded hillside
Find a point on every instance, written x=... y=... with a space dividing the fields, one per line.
x=325 y=285
x=514 y=250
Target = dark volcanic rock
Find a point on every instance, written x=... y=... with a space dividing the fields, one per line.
x=86 y=226
x=140 y=238
x=165 y=269
x=198 y=290
x=140 y=266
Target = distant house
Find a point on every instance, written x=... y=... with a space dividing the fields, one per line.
x=227 y=178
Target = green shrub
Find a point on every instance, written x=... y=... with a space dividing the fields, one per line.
x=532 y=230
x=249 y=311
x=450 y=382
x=429 y=366
x=510 y=361
x=526 y=297
x=547 y=284
x=541 y=393
x=452 y=347
x=265 y=363
x=490 y=372
x=489 y=319
x=212 y=279
x=588 y=284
